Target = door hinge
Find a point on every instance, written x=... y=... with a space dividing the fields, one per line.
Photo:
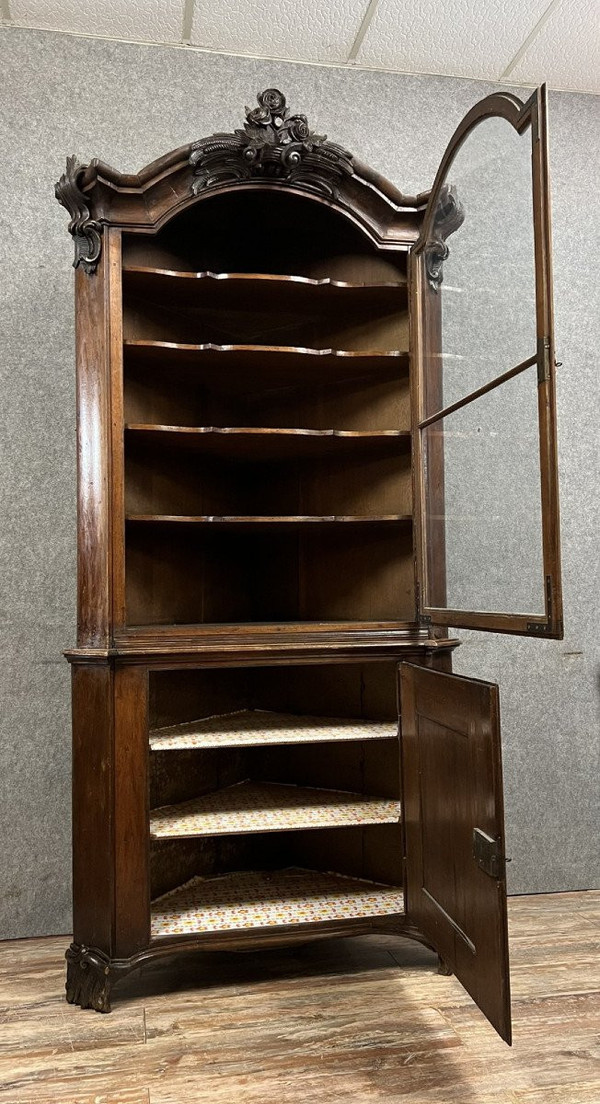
x=487 y=853
x=543 y=359
x=422 y=618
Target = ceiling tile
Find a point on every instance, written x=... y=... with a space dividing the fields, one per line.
x=566 y=52
x=456 y=37
x=315 y=30
x=142 y=20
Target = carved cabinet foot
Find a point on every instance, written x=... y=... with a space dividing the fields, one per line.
x=443 y=969
x=88 y=978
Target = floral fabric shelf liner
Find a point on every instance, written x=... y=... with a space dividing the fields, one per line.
x=259 y=726
x=269 y=807
x=261 y=899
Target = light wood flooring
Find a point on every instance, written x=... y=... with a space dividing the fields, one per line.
x=351 y=1021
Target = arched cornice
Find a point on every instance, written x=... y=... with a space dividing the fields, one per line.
x=274 y=150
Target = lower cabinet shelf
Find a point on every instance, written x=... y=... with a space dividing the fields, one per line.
x=260 y=899
x=269 y=807
x=255 y=727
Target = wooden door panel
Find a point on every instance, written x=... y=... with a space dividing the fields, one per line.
x=454 y=828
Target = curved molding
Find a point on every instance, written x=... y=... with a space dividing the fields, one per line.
x=274 y=150
x=444 y=212
x=85 y=230
x=91 y=973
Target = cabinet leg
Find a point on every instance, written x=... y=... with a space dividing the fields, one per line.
x=443 y=969
x=88 y=978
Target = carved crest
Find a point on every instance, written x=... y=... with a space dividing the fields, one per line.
x=85 y=230
x=449 y=216
x=274 y=145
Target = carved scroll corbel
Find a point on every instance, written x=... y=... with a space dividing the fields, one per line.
x=85 y=230
x=449 y=216
x=274 y=146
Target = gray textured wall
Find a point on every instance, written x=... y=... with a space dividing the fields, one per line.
x=128 y=104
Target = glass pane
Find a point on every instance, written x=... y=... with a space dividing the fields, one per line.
x=483 y=501
x=487 y=296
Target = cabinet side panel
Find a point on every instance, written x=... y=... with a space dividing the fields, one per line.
x=132 y=887
x=92 y=806
x=93 y=458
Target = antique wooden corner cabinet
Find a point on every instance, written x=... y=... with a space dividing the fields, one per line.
x=316 y=428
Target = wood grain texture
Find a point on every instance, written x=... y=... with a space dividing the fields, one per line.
x=367 y=1019
x=93 y=825
x=453 y=795
x=93 y=465
x=131 y=859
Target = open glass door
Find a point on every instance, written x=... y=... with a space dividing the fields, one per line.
x=484 y=430
x=454 y=830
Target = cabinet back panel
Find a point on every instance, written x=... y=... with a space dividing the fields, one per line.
x=373 y=852
x=368 y=767
x=370 y=578
x=341 y=690
x=365 y=691
x=376 y=402
x=176 y=481
x=357 y=328
x=176 y=574
x=368 y=403
x=179 y=696
x=173 y=862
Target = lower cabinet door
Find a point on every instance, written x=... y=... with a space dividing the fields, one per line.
x=454 y=830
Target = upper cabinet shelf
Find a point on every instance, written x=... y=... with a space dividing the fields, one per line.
x=249 y=443
x=263 y=309
x=256 y=520
x=258 y=290
x=247 y=368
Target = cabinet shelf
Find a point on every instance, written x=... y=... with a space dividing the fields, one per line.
x=238 y=290
x=255 y=727
x=243 y=369
x=269 y=807
x=250 y=521
x=262 y=443
x=257 y=899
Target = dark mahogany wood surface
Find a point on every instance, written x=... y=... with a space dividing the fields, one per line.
x=452 y=769
x=247 y=497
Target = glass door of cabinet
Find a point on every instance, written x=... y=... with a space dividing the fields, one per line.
x=486 y=482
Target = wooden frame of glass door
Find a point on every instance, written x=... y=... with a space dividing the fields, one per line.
x=426 y=321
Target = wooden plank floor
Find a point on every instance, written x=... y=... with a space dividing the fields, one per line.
x=358 y=1020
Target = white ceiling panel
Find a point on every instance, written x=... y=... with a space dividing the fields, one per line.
x=140 y=20
x=566 y=52
x=455 y=37
x=313 y=30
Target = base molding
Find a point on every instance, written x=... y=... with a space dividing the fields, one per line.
x=91 y=973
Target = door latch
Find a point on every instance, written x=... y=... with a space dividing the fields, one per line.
x=487 y=853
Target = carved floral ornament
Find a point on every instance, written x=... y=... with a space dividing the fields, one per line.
x=273 y=146
x=85 y=230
